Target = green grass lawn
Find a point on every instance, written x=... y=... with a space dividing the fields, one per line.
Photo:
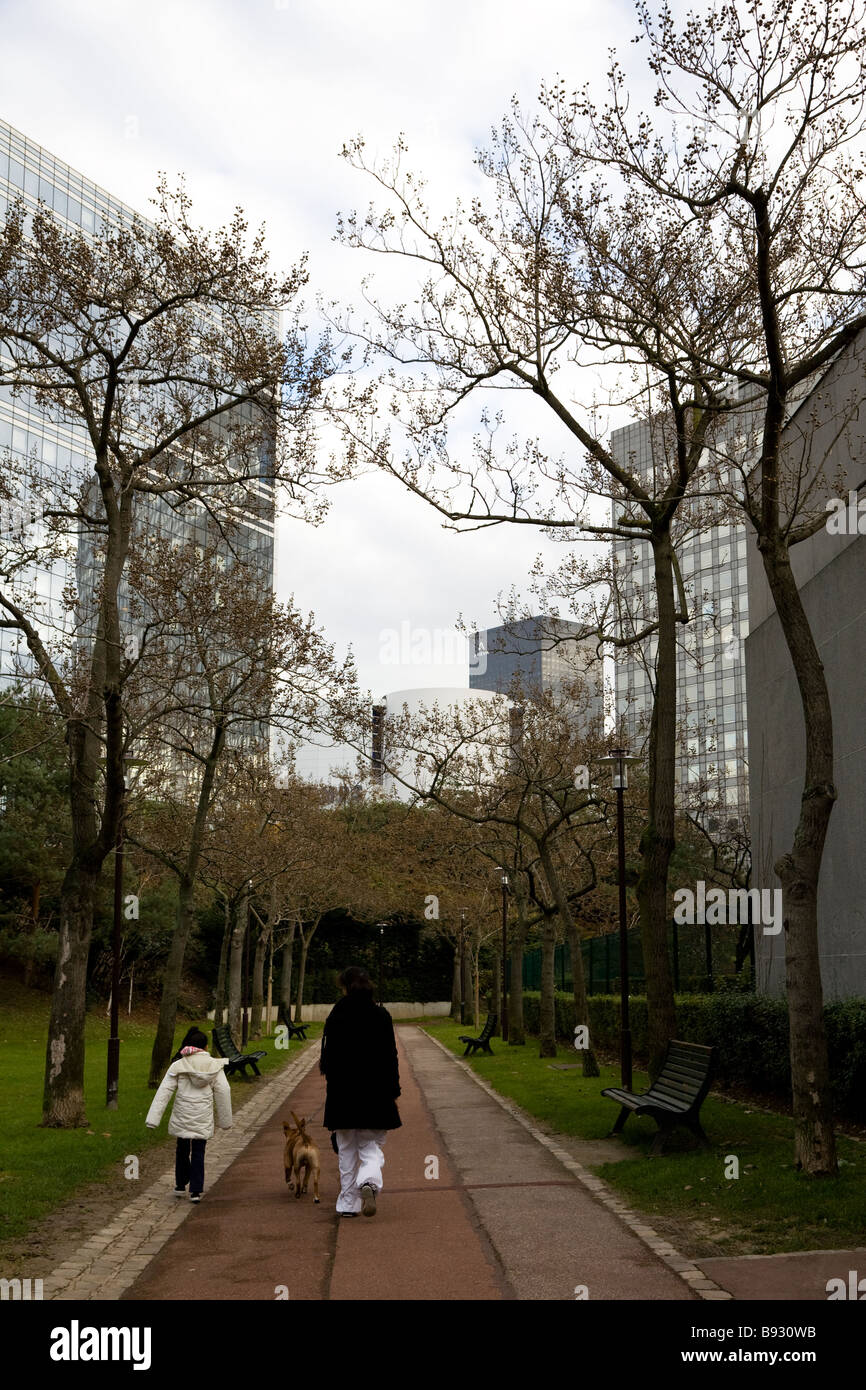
x=40 y=1168
x=769 y=1208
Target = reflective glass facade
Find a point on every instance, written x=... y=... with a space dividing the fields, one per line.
x=542 y=653
x=711 y=678
x=60 y=447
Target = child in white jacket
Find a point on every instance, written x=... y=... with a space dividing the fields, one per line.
x=200 y=1081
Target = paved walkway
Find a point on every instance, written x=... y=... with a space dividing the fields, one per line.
x=106 y=1264
x=478 y=1204
x=796 y=1278
x=252 y=1239
x=504 y=1218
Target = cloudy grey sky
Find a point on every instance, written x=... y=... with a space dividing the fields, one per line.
x=252 y=101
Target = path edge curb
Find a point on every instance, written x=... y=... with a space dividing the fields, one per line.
x=692 y=1276
x=84 y=1263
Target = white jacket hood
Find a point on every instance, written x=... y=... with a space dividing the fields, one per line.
x=199 y=1084
x=199 y=1067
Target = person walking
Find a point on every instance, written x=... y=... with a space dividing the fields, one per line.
x=199 y=1082
x=359 y=1063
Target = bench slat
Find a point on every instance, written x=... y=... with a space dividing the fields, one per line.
x=676 y=1095
x=680 y=1078
x=682 y=1088
x=670 y=1093
x=686 y=1068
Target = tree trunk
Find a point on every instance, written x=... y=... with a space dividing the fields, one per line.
x=469 y=985
x=63 y=1098
x=516 y=1025
x=63 y=1091
x=163 y=1043
x=578 y=980
x=455 y=984
x=286 y=971
x=302 y=969
x=657 y=840
x=799 y=872
x=219 y=1003
x=496 y=1000
x=98 y=732
x=258 y=982
x=547 y=1021
x=236 y=961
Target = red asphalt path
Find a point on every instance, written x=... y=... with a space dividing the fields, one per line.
x=252 y=1239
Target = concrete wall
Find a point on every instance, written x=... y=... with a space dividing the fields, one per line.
x=831 y=572
x=315 y=1013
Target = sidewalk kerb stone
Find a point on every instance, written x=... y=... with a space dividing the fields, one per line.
x=109 y=1261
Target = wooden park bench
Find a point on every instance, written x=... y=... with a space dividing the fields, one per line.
x=483 y=1040
x=225 y=1046
x=296 y=1030
x=676 y=1095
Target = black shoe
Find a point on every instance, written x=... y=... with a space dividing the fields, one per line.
x=180 y=1192
x=368 y=1196
x=195 y=1196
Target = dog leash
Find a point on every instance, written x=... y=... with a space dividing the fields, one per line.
x=309 y=1118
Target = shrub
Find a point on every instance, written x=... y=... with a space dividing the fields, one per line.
x=749 y=1032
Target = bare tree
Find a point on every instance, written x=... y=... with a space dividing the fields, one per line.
x=753 y=162
x=518 y=295
x=514 y=780
x=156 y=341
x=712 y=251
x=221 y=662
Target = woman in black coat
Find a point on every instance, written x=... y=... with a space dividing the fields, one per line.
x=359 y=1063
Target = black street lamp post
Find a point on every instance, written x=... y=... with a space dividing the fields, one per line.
x=113 y=1071
x=245 y=992
x=619 y=760
x=381 y=926
x=112 y=1076
x=504 y=990
x=462 y=966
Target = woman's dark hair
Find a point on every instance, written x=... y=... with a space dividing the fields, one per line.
x=355 y=980
x=194 y=1038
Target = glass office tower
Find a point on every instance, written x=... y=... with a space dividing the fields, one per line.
x=61 y=449
x=541 y=653
x=711 y=679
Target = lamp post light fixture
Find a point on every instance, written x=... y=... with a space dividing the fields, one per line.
x=619 y=760
x=504 y=989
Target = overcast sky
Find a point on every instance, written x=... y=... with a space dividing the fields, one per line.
x=252 y=102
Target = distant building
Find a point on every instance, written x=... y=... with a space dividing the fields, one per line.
x=541 y=654
x=60 y=446
x=830 y=569
x=712 y=756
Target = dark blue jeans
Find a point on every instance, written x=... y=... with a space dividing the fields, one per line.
x=189 y=1167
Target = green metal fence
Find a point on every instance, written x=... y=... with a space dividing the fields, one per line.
x=700 y=956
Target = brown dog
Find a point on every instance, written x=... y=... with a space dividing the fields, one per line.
x=305 y=1156
x=292 y=1137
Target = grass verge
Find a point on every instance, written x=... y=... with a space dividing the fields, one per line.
x=769 y=1208
x=41 y=1168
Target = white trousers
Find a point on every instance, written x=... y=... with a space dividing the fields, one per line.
x=361 y=1160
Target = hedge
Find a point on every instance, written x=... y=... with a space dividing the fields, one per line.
x=749 y=1032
